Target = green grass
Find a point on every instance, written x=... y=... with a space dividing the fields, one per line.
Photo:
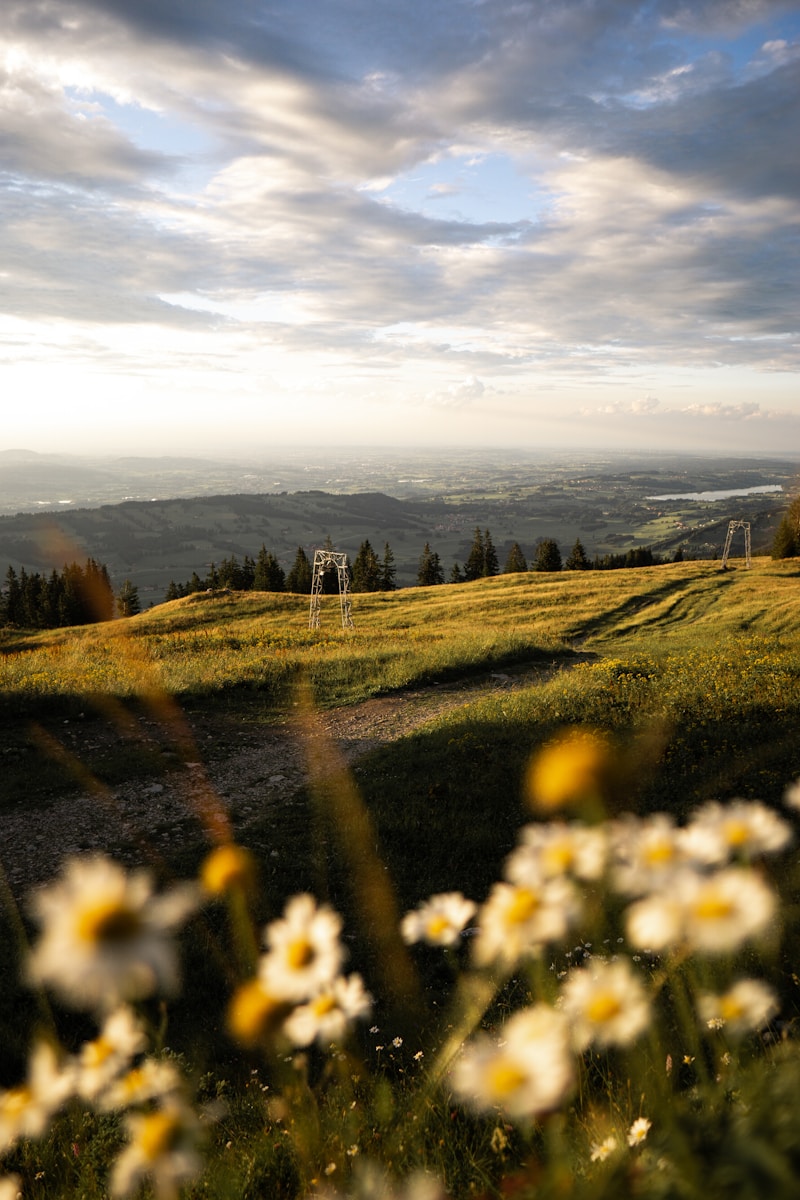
x=693 y=672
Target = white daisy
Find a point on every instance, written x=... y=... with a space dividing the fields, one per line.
x=718 y=832
x=25 y=1111
x=517 y=921
x=723 y=910
x=327 y=1017
x=304 y=953
x=105 y=937
x=603 y=1150
x=102 y=1060
x=162 y=1148
x=153 y=1079
x=639 y=1131
x=528 y=1072
x=605 y=1003
x=745 y=1007
x=645 y=853
x=439 y=921
x=558 y=848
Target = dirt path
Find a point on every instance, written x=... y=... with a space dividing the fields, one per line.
x=238 y=774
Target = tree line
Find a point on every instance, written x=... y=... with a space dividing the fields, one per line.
x=75 y=595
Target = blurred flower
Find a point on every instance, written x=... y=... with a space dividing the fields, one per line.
x=516 y=921
x=558 y=849
x=106 y=937
x=723 y=910
x=605 y=1003
x=152 y=1079
x=717 y=832
x=103 y=1059
x=256 y=1012
x=25 y=1111
x=162 y=1148
x=639 y=1131
x=304 y=953
x=645 y=853
x=328 y=1016
x=656 y=922
x=745 y=1007
x=791 y=797
x=574 y=767
x=226 y=867
x=527 y=1073
x=603 y=1150
x=439 y=921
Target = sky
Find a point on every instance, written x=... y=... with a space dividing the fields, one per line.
x=230 y=225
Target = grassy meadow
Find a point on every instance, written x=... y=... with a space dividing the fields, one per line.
x=684 y=681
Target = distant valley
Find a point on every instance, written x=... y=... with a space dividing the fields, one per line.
x=183 y=514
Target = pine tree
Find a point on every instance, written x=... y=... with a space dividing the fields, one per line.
x=678 y=557
x=268 y=574
x=548 y=556
x=388 y=570
x=13 y=604
x=786 y=543
x=455 y=574
x=515 y=563
x=577 y=559
x=172 y=592
x=491 y=563
x=430 y=568
x=300 y=574
x=128 y=600
x=366 y=576
x=474 y=567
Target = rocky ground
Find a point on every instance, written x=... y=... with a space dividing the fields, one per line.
x=227 y=776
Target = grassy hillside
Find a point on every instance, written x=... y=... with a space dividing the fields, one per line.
x=689 y=677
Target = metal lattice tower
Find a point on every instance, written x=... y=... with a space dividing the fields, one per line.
x=732 y=527
x=326 y=560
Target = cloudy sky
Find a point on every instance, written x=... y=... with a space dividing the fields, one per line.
x=231 y=224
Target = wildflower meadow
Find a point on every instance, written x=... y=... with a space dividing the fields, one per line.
x=603 y=1004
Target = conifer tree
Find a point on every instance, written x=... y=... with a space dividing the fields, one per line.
x=491 y=563
x=786 y=543
x=366 y=575
x=388 y=570
x=474 y=567
x=430 y=568
x=548 y=556
x=515 y=563
x=128 y=600
x=300 y=574
x=456 y=575
x=577 y=559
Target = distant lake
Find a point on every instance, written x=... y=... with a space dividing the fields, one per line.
x=767 y=487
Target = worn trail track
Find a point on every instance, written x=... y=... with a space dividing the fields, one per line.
x=236 y=775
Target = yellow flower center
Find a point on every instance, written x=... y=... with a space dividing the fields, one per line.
x=736 y=833
x=713 y=907
x=109 y=921
x=504 y=1078
x=523 y=906
x=15 y=1101
x=322 y=1005
x=97 y=1052
x=158 y=1134
x=253 y=1012
x=603 y=1007
x=559 y=857
x=300 y=953
x=226 y=867
x=437 y=926
x=659 y=852
x=730 y=1009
